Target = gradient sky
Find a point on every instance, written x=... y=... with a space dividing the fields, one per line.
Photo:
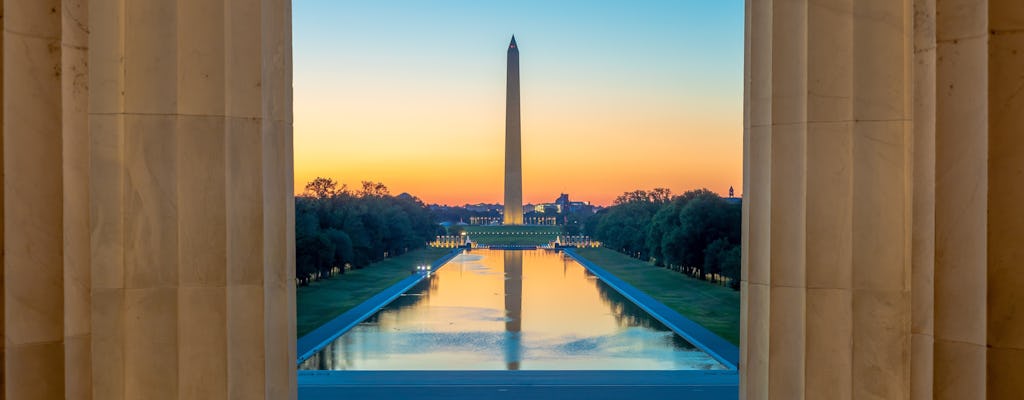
x=616 y=96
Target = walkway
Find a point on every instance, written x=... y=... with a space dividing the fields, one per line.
x=498 y=385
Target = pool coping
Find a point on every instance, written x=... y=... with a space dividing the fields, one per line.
x=518 y=385
x=712 y=344
x=313 y=341
x=312 y=383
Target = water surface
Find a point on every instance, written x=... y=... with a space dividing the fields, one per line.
x=510 y=309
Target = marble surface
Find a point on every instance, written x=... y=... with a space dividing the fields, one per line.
x=887 y=248
x=882 y=227
x=126 y=272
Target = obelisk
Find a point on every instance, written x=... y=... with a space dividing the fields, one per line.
x=513 y=147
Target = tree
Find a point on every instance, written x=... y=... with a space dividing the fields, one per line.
x=714 y=255
x=669 y=241
x=307 y=230
x=635 y=196
x=343 y=253
x=374 y=189
x=676 y=232
x=335 y=228
x=730 y=265
x=322 y=188
x=704 y=219
x=663 y=223
x=624 y=226
x=660 y=195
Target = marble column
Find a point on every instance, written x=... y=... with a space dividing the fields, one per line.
x=961 y=192
x=883 y=230
x=978 y=309
x=798 y=161
x=147 y=218
x=38 y=244
x=1005 y=244
x=922 y=325
x=826 y=313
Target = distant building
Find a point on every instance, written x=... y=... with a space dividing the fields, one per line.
x=562 y=202
x=562 y=205
x=484 y=207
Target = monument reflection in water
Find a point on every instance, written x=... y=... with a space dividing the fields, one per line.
x=514 y=309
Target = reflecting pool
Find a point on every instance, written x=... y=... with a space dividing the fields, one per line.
x=510 y=309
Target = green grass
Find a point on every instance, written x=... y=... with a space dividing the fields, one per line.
x=530 y=235
x=323 y=300
x=717 y=308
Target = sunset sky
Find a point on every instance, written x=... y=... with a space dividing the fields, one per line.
x=616 y=96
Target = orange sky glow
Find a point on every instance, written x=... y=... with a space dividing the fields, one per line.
x=595 y=123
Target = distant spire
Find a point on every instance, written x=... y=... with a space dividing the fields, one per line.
x=512 y=45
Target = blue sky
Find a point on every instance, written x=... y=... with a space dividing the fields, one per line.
x=398 y=78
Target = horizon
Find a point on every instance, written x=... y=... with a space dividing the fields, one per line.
x=498 y=203
x=595 y=123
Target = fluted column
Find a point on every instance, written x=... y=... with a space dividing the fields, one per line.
x=829 y=201
x=787 y=198
x=978 y=316
x=961 y=192
x=193 y=108
x=35 y=128
x=907 y=188
x=147 y=209
x=922 y=326
x=76 y=180
x=826 y=166
x=1005 y=244
x=755 y=281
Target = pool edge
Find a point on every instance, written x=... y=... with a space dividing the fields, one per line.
x=720 y=349
x=316 y=339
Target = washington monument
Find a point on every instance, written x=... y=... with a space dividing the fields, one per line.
x=513 y=148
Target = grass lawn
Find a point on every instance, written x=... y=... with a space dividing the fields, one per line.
x=323 y=300
x=715 y=307
x=534 y=235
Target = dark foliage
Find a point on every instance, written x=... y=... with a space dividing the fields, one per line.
x=335 y=228
x=697 y=233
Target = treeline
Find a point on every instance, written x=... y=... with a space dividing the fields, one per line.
x=696 y=233
x=336 y=228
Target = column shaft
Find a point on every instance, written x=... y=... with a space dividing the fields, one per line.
x=961 y=192
x=788 y=194
x=1005 y=245
x=922 y=325
x=33 y=186
x=755 y=296
x=837 y=259
x=829 y=199
x=913 y=229
x=147 y=218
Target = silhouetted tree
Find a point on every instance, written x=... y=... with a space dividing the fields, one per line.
x=337 y=228
x=676 y=232
x=322 y=188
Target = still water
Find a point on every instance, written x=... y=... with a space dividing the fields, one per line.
x=510 y=309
